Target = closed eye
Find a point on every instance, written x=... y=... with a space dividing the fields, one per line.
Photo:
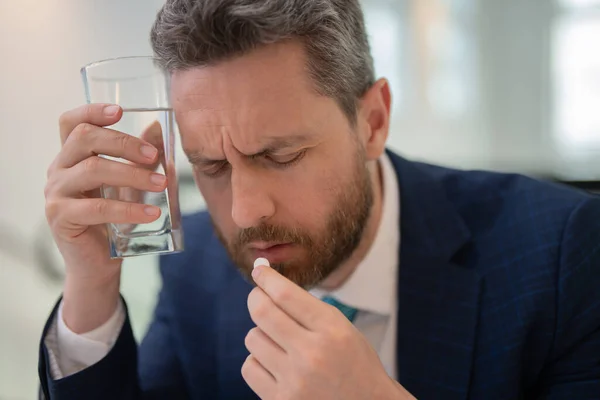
x=286 y=161
x=222 y=167
x=217 y=169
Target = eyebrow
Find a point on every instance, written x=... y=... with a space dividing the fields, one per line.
x=275 y=144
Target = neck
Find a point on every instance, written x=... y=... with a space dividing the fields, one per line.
x=341 y=274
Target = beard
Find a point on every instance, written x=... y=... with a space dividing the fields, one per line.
x=323 y=251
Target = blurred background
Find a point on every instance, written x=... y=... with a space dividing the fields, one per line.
x=507 y=85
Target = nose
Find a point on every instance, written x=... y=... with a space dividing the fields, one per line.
x=251 y=203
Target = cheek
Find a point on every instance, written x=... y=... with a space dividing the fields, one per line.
x=301 y=205
x=308 y=196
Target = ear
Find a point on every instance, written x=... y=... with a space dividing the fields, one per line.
x=374 y=118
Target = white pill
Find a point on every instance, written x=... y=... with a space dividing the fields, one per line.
x=261 y=261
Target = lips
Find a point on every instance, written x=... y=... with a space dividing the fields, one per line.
x=274 y=252
x=264 y=245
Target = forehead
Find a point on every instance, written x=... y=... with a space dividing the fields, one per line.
x=274 y=69
x=266 y=92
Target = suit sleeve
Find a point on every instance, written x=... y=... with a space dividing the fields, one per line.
x=121 y=375
x=573 y=371
x=70 y=352
x=114 y=376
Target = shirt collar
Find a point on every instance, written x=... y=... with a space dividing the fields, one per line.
x=372 y=285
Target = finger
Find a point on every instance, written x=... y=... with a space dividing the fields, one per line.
x=95 y=171
x=89 y=140
x=258 y=378
x=265 y=350
x=279 y=326
x=153 y=134
x=296 y=302
x=95 y=114
x=87 y=212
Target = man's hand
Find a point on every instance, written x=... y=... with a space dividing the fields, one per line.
x=303 y=348
x=78 y=216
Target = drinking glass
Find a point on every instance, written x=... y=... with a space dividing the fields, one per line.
x=141 y=88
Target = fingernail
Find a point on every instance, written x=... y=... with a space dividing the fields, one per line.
x=261 y=261
x=158 y=179
x=148 y=151
x=151 y=211
x=110 y=111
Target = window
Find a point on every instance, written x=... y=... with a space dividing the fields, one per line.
x=385 y=28
x=427 y=51
x=576 y=75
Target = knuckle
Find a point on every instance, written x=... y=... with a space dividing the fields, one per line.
x=124 y=141
x=335 y=314
x=320 y=343
x=91 y=165
x=281 y=296
x=246 y=366
x=338 y=335
x=298 y=385
x=51 y=170
x=254 y=293
x=89 y=111
x=137 y=174
x=332 y=339
x=260 y=306
x=100 y=207
x=49 y=189
x=250 y=338
x=314 y=361
x=253 y=297
x=129 y=210
x=262 y=310
x=52 y=209
x=63 y=120
x=253 y=333
x=81 y=132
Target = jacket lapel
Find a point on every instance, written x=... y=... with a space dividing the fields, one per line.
x=437 y=296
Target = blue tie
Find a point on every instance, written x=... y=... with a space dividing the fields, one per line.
x=349 y=312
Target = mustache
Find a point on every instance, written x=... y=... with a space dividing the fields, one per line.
x=272 y=233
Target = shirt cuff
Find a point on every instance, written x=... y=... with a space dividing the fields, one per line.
x=70 y=353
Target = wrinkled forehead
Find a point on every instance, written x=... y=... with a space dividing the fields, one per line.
x=270 y=73
x=263 y=94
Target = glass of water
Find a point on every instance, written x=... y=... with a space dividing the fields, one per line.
x=141 y=88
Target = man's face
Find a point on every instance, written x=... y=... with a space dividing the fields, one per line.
x=281 y=168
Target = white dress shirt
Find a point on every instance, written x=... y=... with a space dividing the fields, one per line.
x=371 y=289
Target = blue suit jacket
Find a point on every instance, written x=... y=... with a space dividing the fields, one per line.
x=498 y=298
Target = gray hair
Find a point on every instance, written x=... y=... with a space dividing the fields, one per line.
x=195 y=33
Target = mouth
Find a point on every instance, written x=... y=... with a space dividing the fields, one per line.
x=274 y=252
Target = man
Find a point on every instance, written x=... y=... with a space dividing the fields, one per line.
x=389 y=279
